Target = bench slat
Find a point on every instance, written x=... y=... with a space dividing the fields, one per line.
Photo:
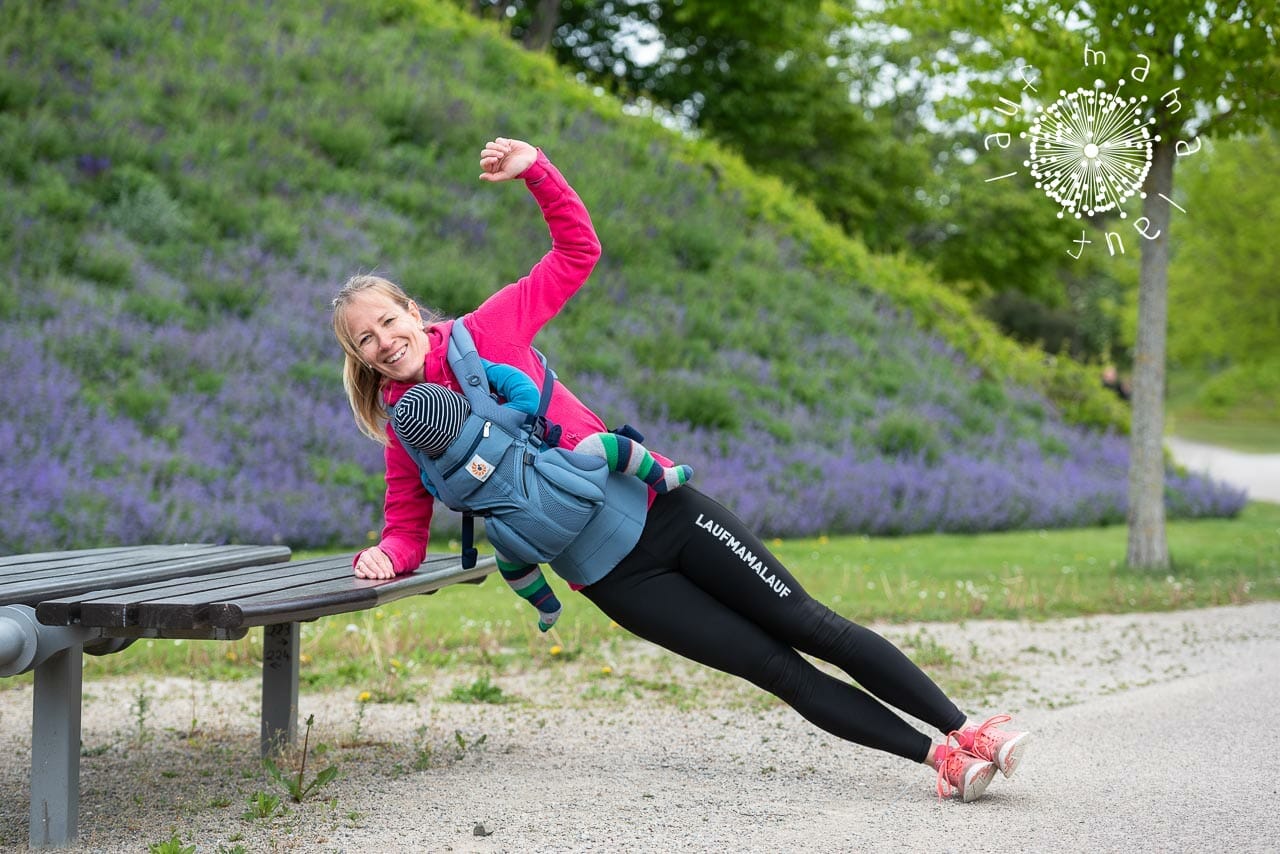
x=131 y=606
x=59 y=562
x=150 y=567
x=171 y=596
x=16 y=566
x=252 y=596
x=16 y=560
x=189 y=607
x=343 y=595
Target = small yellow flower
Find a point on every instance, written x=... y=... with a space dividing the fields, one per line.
x=364 y=697
x=606 y=670
x=303 y=658
x=395 y=664
x=557 y=649
x=822 y=541
x=231 y=655
x=776 y=541
x=378 y=615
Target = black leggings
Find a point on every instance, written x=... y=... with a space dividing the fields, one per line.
x=702 y=585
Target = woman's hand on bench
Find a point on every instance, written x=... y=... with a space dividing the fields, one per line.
x=373 y=562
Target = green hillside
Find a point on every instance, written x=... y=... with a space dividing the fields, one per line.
x=186 y=184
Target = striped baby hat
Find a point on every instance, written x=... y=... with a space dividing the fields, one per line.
x=429 y=417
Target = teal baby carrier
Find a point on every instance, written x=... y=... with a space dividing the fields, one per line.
x=540 y=503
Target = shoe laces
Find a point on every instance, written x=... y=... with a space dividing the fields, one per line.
x=950 y=766
x=979 y=741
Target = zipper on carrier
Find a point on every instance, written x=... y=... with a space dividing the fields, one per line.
x=466 y=458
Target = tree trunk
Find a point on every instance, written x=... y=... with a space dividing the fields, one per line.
x=542 y=26
x=1148 y=547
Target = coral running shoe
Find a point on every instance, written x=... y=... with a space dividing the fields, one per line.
x=994 y=745
x=961 y=772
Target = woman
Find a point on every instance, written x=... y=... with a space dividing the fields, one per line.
x=695 y=580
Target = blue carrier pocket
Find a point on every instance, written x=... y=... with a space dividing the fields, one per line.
x=555 y=493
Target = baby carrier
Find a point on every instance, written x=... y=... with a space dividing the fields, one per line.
x=540 y=503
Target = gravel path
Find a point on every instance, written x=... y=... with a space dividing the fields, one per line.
x=1152 y=735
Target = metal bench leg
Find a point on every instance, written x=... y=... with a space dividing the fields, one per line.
x=55 y=749
x=279 y=686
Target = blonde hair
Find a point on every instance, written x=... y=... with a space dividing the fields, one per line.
x=362 y=382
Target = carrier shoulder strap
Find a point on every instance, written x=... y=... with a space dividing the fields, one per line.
x=469 y=369
x=465 y=362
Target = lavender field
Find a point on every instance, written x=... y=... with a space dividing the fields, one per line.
x=184 y=187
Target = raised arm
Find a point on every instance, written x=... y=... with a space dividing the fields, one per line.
x=512 y=317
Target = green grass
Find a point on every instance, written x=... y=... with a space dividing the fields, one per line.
x=1246 y=420
x=1027 y=574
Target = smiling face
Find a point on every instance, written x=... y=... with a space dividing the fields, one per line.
x=388 y=336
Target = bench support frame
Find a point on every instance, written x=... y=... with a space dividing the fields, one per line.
x=280 y=644
x=55 y=749
x=56 y=726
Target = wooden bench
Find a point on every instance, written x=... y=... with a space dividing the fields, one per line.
x=56 y=605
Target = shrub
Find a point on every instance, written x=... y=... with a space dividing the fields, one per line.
x=905 y=434
x=236 y=298
x=103 y=262
x=280 y=228
x=157 y=310
x=56 y=199
x=347 y=141
x=1247 y=390
x=704 y=406
x=148 y=214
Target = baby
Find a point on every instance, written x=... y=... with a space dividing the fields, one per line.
x=429 y=417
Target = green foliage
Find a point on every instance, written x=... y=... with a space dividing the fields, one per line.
x=709 y=406
x=177 y=160
x=1221 y=69
x=1238 y=49
x=217 y=296
x=350 y=473
x=279 y=227
x=53 y=195
x=464 y=745
x=172 y=845
x=1033 y=322
x=159 y=311
x=148 y=214
x=906 y=434
x=347 y=143
x=1247 y=391
x=104 y=263
x=299 y=787
x=143 y=402
x=261 y=805
x=1224 y=296
x=995 y=235
x=481 y=690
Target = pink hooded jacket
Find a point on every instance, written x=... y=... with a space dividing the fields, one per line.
x=503 y=328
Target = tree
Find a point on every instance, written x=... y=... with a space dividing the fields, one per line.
x=1205 y=68
x=771 y=80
